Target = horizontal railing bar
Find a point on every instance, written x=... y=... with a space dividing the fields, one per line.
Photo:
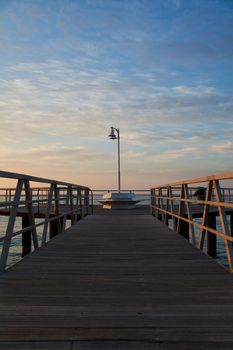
x=217 y=233
x=222 y=176
x=197 y=201
x=16 y=176
x=45 y=200
x=102 y=190
x=28 y=228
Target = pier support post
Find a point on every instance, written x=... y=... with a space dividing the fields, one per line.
x=53 y=231
x=26 y=237
x=175 y=223
x=211 y=237
x=231 y=224
x=86 y=202
x=78 y=217
x=55 y=227
x=159 y=215
x=184 y=229
x=61 y=223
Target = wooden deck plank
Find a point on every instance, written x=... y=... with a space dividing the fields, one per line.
x=117 y=278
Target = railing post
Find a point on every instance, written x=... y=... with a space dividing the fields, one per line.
x=53 y=231
x=231 y=224
x=86 y=201
x=205 y=214
x=152 y=202
x=57 y=208
x=77 y=205
x=166 y=217
x=159 y=214
x=180 y=223
x=184 y=228
x=48 y=212
x=92 y=201
x=31 y=215
x=10 y=225
x=211 y=237
x=174 y=219
x=26 y=236
x=80 y=202
x=72 y=216
x=224 y=225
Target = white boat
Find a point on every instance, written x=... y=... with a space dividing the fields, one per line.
x=119 y=200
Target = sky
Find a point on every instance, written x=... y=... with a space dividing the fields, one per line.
x=159 y=70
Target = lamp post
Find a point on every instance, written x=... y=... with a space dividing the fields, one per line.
x=116 y=136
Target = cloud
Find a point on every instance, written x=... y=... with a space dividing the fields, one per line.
x=86 y=96
x=196 y=91
x=169 y=156
x=133 y=156
x=54 y=99
x=224 y=147
x=145 y=138
x=53 y=152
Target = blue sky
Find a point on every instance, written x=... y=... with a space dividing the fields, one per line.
x=160 y=70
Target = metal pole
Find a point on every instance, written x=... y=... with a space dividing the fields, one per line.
x=119 y=162
x=113 y=136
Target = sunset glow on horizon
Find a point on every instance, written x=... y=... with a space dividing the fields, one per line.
x=161 y=71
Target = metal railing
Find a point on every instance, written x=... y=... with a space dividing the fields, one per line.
x=176 y=202
x=54 y=202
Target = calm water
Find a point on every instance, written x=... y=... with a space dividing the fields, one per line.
x=15 y=249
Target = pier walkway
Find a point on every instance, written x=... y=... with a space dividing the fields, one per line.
x=117 y=280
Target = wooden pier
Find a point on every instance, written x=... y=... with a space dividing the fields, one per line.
x=117 y=280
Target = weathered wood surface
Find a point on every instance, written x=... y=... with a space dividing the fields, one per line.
x=117 y=281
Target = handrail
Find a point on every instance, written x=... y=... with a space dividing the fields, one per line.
x=10 y=175
x=54 y=204
x=176 y=201
x=222 y=176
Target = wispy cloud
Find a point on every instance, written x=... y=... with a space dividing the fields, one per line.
x=55 y=89
x=134 y=156
x=223 y=147
x=169 y=156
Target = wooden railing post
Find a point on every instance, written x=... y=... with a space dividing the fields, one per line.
x=86 y=202
x=224 y=225
x=57 y=208
x=80 y=200
x=211 y=237
x=26 y=236
x=159 y=213
x=205 y=215
x=92 y=201
x=184 y=228
x=182 y=225
x=10 y=226
x=167 y=207
x=31 y=215
x=53 y=229
x=152 y=202
x=47 y=214
x=231 y=224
